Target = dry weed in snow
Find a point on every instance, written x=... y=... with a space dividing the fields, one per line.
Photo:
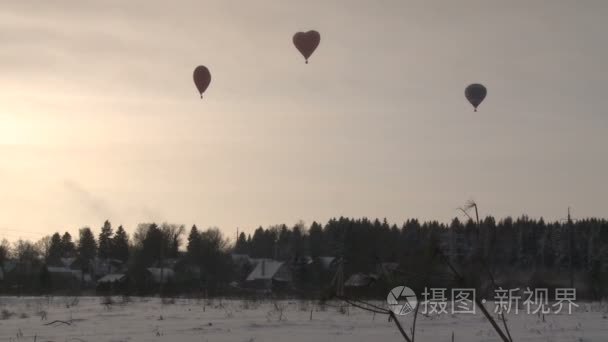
x=268 y=321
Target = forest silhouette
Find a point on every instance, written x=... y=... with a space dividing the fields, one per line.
x=520 y=252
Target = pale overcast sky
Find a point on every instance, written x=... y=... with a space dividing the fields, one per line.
x=100 y=119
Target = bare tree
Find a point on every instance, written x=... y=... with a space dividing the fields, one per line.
x=173 y=235
x=43 y=246
x=504 y=335
x=5 y=251
x=140 y=234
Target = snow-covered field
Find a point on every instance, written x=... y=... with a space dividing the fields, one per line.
x=148 y=319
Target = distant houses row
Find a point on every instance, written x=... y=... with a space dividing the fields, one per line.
x=271 y=274
x=252 y=274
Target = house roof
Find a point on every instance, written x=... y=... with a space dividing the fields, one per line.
x=360 y=280
x=326 y=262
x=167 y=274
x=55 y=269
x=68 y=272
x=9 y=265
x=265 y=269
x=110 y=278
x=67 y=262
x=387 y=268
x=170 y=262
x=303 y=260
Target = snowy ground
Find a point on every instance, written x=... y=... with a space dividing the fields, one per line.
x=148 y=319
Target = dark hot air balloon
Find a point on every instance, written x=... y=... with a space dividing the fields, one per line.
x=475 y=93
x=202 y=78
x=306 y=42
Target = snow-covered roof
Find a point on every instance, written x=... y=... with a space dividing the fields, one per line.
x=110 y=278
x=9 y=265
x=303 y=260
x=326 y=262
x=360 y=280
x=387 y=268
x=102 y=267
x=265 y=269
x=170 y=263
x=67 y=262
x=98 y=260
x=167 y=274
x=66 y=271
x=55 y=269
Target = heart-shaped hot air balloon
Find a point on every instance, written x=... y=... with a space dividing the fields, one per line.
x=306 y=42
x=475 y=93
x=202 y=78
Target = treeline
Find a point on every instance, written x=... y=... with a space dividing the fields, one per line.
x=522 y=243
x=522 y=252
x=518 y=252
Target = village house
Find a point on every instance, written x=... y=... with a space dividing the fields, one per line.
x=269 y=275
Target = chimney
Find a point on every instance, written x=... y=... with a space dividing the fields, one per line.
x=263 y=267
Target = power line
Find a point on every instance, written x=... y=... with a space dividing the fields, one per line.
x=23 y=231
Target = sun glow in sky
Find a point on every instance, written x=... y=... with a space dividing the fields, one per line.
x=99 y=118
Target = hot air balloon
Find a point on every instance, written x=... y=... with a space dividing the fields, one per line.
x=306 y=42
x=202 y=78
x=475 y=93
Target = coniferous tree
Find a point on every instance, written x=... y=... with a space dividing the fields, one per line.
x=315 y=240
x=68 y=248
x=241 y=246
x=120 y=245
x=154 y=245
x=257 y=243
x=194 y=247
x=87 y=249
x=87 y=246
x=105 y=240
x=55 y=249
x=283 y=243
x=296 y=242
